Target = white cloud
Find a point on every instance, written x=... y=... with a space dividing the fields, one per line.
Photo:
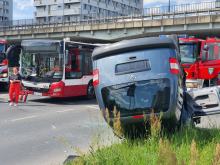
x=23 y=4
x=23 y=9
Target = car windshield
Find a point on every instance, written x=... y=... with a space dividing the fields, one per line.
x=42 y=62
x=188 y=52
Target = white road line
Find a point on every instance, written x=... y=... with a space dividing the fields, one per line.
x=24 y=118
x=68 y=110
x=93 y=107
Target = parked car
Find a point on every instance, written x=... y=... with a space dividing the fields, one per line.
x=136 y=76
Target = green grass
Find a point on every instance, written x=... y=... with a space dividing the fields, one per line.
x=192 y=146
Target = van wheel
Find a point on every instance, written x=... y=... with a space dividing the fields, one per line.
x=90 y=91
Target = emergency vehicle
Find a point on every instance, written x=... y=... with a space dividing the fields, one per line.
x=57 y=68
x=3 y=64
x=201 y=61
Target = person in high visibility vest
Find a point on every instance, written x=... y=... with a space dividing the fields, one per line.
x=14 y=90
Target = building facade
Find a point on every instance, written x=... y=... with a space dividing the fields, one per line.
x=6 y=10
x=72 y=10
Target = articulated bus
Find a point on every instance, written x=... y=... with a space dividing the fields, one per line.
x=57 y=68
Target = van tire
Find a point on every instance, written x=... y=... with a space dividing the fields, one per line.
x=90 y=91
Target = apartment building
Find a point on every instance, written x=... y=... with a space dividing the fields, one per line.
x=6 y=10
x=72 y=10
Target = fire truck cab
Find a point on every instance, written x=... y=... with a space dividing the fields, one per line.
x=201 y=61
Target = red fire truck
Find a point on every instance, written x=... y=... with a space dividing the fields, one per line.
x=201 y=61
x=3 y=64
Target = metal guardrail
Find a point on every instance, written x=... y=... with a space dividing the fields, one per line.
x=174 y=11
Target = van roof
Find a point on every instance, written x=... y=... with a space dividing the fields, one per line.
x=133 y=45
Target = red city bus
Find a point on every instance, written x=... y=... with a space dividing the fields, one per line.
x=3 y=64
x=201 y=61
x=57 y=68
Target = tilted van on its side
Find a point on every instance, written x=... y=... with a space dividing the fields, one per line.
x=137 y=76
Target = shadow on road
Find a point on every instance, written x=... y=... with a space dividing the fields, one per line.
x=66 y=101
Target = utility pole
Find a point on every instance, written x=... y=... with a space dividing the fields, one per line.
x=169 y=6
x=63 y=12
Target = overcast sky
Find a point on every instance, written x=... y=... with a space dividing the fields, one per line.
x=23 y=9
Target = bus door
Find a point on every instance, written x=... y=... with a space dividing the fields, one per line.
x=87 y=66
x=73 y=72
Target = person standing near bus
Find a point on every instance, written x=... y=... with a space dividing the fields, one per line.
x=14 y=90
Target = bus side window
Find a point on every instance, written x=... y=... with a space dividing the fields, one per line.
x=73 y=62
x=73 y=68
x=88 y=63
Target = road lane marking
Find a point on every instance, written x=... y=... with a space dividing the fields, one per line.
x=93 y=107
x=24 y=118
x=63 y=111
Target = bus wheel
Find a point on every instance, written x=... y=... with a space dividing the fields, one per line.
x=90 y=91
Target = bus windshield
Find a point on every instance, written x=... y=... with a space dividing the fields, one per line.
x=42 y=61
x=188 y=52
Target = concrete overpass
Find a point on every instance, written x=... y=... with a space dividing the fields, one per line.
x=203 y=22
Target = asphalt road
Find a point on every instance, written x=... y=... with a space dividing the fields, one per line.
x=46 y=131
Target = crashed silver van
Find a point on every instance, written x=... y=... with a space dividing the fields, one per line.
x=137 y=76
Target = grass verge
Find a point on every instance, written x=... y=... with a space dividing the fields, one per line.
x=191 y=146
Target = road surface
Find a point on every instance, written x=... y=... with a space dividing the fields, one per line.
x=46 y=131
